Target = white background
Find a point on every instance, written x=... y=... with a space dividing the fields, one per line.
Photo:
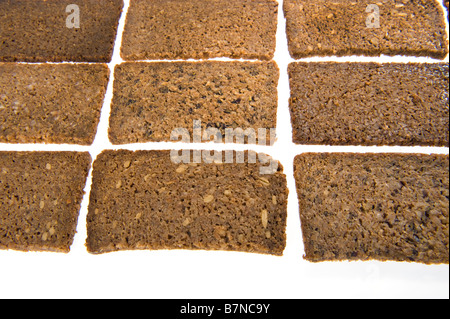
x=202 y=274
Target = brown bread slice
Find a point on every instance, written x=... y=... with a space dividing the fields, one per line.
x=343 y=27
x=370 y=104
x=40 y=198
x=51 y=103
x=184 y=29
x=151 y=100
x=374 y=206
x=143 y=200
x=37 y=30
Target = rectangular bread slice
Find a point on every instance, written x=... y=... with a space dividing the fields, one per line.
x=58 y=30
x=365 y=27
x=40 y=199
x=51 y=103
x=191 y=29
x=386 y=207
x=151 y=100
x=369 y=104
x=145 y=200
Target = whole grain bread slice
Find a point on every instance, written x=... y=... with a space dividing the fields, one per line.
x=58 y=30
x=370 y=103
x=40 y=199
x=152 y=100
x=149 y=200
x=386 y=207
x=191 y=29
x=51 y=103
x=365 y=27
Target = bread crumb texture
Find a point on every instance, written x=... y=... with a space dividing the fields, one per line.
x=151 y=100
x=40 y=198
x=386 y=207
x=191 y=29
x=163 y=205
x=370 y=104
x=344 y=28
x=44 y=31
x=51 y=103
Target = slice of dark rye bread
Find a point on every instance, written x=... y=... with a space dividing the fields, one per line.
x=343 y=27
x=51 y=103
x=370 y=104
x=47 y=31
x=40 y=199
x=143 y=200
x=184 y=29
x=386 y=207
x=151 y=100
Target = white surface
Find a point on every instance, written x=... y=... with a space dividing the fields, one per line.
x=201 y=274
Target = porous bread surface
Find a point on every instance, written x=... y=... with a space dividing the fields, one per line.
x=40 y=199
x=143 y=200
x=51 y=103
x=37 y=30
x=191 y=29
x=151 y=100
x=387 y=207
x=370 y=103
x=344 y=28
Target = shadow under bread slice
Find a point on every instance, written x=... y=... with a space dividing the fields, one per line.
x=370 y=103
x=40 y=199
x=386 y=207
x=58 y=30
x=51 y=103
x=153 y=100
x=149 y=200
x=365 y=27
